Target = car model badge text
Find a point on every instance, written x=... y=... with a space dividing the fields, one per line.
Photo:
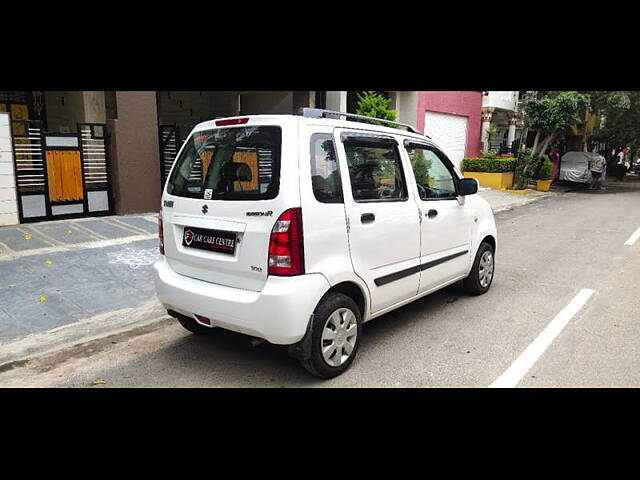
x=260 y=214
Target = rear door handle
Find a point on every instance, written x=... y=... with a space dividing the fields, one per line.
x=432 y=213
x=367 y=218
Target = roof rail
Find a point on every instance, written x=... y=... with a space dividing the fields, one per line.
x=322 y=113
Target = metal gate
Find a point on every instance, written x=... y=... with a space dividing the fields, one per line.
x=169 y=146
x=172 y=136
x=61 y=175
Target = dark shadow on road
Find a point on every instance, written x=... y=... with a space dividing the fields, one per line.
x=414 y=312
x=630 y=184
x=224 y=358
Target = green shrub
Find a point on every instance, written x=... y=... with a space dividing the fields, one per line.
x=544 y=173
x=526 y=167
x=488 y=164
x=421 y=166
x=373 y=104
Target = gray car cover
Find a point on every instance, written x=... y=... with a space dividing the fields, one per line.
x=574 y=167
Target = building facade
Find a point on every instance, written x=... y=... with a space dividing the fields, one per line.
x=501 y=121
x=59 y=162
x=89 y=153
x=451 y=118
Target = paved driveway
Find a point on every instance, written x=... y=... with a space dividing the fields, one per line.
x=56 y=273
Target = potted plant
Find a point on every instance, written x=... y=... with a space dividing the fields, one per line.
x=544 y=176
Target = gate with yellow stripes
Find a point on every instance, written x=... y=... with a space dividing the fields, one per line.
x=61 y=175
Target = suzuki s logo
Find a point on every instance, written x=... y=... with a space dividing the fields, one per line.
x=205 y=209
x=188 y=237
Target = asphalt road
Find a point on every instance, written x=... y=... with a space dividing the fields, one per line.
x=548 y=252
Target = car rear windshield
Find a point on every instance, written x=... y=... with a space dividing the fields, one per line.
x=240 y=163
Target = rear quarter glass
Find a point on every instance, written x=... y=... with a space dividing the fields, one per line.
x=235 y=163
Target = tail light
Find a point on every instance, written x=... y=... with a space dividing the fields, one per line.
x=161 y=233
x=286 y=248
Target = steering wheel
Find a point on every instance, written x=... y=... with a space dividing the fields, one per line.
x=386 y=193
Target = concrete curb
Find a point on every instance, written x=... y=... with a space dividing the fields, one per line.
x=521 y=204
x=17 y=352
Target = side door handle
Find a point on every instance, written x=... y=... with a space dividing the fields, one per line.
x=367 y=218
x=432 y=213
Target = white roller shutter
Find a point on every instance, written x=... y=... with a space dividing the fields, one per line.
x=449 y=132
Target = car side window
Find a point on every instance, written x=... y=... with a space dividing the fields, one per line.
x=325 y=172
x=434 y=180
x=375 y=169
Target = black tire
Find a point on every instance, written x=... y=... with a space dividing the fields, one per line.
x=193 y=326
x=472 y=283
x=316 y=364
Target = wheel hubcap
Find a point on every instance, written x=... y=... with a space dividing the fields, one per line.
x=486 y=269
x=339 y=337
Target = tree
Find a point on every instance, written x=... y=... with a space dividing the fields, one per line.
x=372 y=104
x=421 y=166
x=527 y=164
x=620 y=119
x=552 y=114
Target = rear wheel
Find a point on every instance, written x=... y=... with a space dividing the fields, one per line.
x=481 y=276
x=335 y=336
x=193 y=326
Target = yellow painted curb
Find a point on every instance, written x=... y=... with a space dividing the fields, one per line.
x=526 y=191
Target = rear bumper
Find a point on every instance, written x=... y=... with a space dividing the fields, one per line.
x=279 y=313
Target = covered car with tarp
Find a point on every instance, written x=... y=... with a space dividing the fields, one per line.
x=574 y=167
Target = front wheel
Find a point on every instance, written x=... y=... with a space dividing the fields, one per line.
x=481 y=276
x=335 y=336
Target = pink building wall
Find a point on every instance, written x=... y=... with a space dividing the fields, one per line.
x=468 y=104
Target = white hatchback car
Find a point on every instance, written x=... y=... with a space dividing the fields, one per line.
x=297 y=229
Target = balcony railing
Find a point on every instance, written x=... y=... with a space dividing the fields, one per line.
x=502 y=100
x=503 y=149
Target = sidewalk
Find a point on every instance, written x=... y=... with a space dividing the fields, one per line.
x=33 y=238
x=56 y=273
x=501 y=200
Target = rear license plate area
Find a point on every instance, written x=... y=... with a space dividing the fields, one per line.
x=211 y=240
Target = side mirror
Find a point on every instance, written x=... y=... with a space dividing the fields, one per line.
x=467 y=186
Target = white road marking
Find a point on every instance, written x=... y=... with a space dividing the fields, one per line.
x=632 y=239
x=32 y=231
x=123 y=226
x=75 y=246
x=534 y=351
x=47 y=238
x=3 y=245
x=129 y=227
x=89 y=232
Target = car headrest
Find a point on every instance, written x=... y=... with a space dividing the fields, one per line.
x=318 y=182
x=237 y=171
